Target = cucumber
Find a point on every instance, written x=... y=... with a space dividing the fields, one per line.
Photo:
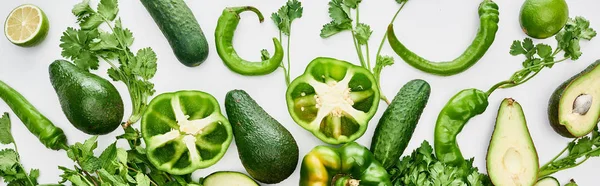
x=178 y=24
x=396 y=126
x=547 y=181
x=223 y=178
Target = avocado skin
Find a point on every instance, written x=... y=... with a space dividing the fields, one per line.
x=398 y=122
x=92 y=104
x=553 y=104
x=267 y=150
x=179 y=25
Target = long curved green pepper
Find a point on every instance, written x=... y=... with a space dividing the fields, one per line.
x=226 y=26
x=51 y=136
x=454 y=116
x=488 y=18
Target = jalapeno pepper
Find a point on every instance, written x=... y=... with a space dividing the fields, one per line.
x=488 y=18
x=333 y=99
x=185 y=131
x=51 y=136
x=349 y=165
x=226 y=26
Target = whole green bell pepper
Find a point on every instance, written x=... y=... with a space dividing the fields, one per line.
x=349 y=165
x=333 y=99
x=185 y=131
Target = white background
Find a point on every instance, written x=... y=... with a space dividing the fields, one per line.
x=435 y=29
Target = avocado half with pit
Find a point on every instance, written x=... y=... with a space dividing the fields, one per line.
x=512 y=159
x=574 y=108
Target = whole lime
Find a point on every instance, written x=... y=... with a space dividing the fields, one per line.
x=543 y=18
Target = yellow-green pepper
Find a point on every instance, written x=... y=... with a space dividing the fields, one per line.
x=349 y=165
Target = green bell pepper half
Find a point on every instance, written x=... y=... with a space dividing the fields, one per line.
x=333 y=99
x=185 y=131
x=349 y=165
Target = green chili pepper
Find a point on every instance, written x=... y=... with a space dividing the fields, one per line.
x=488 y=17
x=226 y=26
x=465 y=105
x=51 y=136
x=451 y=120
x=349 y=165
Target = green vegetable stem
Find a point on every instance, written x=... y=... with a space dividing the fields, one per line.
x=226 y=25
x=488 y=16
x=469 y=103
x=51 y=136
x=283 y=18
x=349 y=165
x=87 y=45
x=340 y=13
x=576 y=153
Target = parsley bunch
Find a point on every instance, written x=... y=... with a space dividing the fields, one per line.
x=424 y=169
x=539 y=56
x=283 y=18
x=117 y=166
x=576 y=153
x=340 y=12
x=87 y=45
x=11 y=169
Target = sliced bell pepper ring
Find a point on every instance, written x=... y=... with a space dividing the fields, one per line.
x=185 y=131
x=333 y=99
x=349 y=165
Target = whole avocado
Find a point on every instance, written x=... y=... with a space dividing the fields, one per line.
x=92 y=104
x=267 y=150
x=179 y=25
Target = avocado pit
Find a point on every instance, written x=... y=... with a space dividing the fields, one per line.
x=582 y=104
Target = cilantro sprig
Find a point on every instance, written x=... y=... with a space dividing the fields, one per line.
x=539 y=56
x=283 y=18
x=340 y=12
x=424 y=169
x=85 y=46
x=11 y=169
x=576 y=153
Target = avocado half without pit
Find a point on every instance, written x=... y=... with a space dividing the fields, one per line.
x=512 y=159
x=573 y=109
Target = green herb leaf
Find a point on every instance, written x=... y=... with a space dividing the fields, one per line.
x=142 y=179
x=423 y=168
x=338 y=13
x=108 y=9
x=284 y=17
x=332 y=28
x=144 y=64
x=363 y=33
x=543 y=50
x=351 y=3
x=516 y=48
x=382 y=61
x=574 y=31
x=9 y=160
x=5 y=133
x=75 y=45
